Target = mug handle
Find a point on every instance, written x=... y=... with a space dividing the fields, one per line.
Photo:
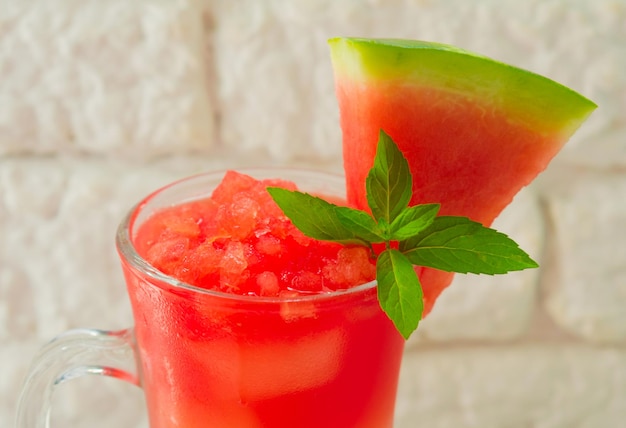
x=73 y=354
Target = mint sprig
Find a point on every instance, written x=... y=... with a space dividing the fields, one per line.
x=448 y=243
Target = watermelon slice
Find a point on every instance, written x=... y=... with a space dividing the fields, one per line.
x=474 y=130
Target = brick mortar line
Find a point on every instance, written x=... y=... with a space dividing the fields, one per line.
x=518 y=344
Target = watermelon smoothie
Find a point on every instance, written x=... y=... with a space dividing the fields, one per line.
x=242 y=321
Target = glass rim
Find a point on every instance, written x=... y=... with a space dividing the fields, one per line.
x=130 y=255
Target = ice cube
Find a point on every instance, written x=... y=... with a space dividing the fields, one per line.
x=268 y=284
x=293 y=311
x=233 y=266
x=270 y=370
x=268 y=245
x=251 y=370
x=353 y=266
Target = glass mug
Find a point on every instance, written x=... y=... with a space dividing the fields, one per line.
x=215 y=360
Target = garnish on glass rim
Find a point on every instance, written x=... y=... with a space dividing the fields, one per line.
x=412 y=235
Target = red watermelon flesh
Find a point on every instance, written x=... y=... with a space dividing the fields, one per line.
x=474 y=131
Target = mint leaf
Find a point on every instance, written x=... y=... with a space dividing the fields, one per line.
x=322 y=220
x=389 y=182
x=458 y=244
x=413 y=220
x=399 y=291
x=361 y=223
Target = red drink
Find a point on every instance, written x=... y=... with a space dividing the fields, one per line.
x=284 y=341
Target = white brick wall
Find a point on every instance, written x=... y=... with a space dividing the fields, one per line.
x=122 y=78
x=101 y=102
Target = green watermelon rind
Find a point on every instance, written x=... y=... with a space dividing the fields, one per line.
x=534 y=99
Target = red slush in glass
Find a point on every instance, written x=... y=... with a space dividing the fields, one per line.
x=257 y=325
